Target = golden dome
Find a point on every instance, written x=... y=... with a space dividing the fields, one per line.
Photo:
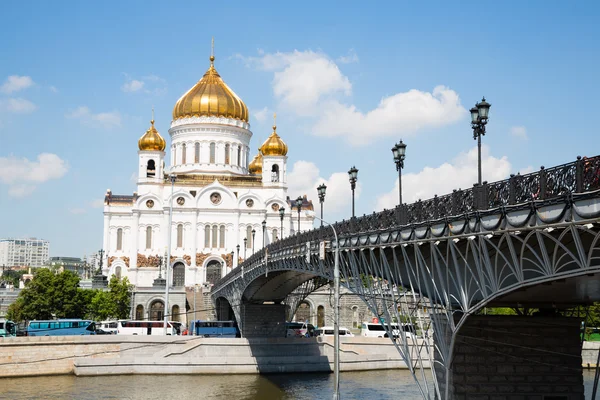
x=211 y=97
x=274 y=146
x=151 y=140
x=255 y=166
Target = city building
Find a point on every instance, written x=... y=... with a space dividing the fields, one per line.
x=72 y=264
x=29 y=252
x=225 y=203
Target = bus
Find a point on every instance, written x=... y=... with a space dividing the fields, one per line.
x=156 y=328
x=224 y=329
x=109 y=327
x=7 y=328
x=61 y=327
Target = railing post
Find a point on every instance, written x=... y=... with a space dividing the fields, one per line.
x=436 y=208
x=419 y=211
x=579 y=175
x=543 y=183
x=475 y=196
x=455 y=199
x=512 y=189
x=401 y=214
x=483 y=196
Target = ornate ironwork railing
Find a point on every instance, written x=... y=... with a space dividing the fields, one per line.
x=582 y=175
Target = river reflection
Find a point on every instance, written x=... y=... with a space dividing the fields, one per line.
x=371 y=385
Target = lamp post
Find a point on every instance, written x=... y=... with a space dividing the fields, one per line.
x=264 y=225
x=237 y=248
x=232 y=255
x=253 y=235
x=281 y=214
x=352 y=173
x=399 y=151
x=100 y=261
x=336 y=314
x=172 y=178
x=245 y=247
x=299 y=202
x=479 y=118
x=321 y=191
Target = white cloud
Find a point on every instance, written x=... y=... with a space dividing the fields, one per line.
x=261 y=115
x=53 y=89
x=107 y=119
x=460 y=173
x=349 y=58
x=20 y=174
x=98 y=203
x=15 y=83
x=310 y=84
x=17 y=105
x=304 y=179
x=132 y=86
x=519 y=132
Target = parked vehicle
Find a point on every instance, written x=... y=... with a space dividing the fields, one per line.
x=61 y=327
x=109 y=327
x=299 y=329
x=214 y=328
x=7 y=328
x=154 y=328
x=329 y=331
x=370 y=329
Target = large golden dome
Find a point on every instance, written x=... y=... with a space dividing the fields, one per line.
x=151 y=140
x=274 y=146
x=211 y=97
x=255 y=166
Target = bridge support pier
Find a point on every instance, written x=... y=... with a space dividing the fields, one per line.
x=262 y=320
x=515 y=357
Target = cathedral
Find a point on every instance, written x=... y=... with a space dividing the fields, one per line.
x=214 y=205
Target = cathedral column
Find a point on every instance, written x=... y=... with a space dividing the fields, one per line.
x=236 y=231
x=194 y=238
x=134 y=240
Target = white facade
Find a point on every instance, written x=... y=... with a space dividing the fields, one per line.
x=24 y=252
x=216 y=203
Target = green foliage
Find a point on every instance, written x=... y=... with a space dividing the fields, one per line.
x=13 y=277
x=51 y=295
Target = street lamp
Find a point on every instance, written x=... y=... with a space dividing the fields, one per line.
x=399 y=151
x=245 y=247
x=281 y=214
x=172 y=178
x=352 y=173
x=253 y=235
x=321 y=191
x=299 y=202
x=100 y=261
x=264 y=225
x=479 y=118
x=232 y=255
x=336 y=314
x=237 y=260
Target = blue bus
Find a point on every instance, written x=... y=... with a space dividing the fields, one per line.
x=227 y=329
x=61 y=327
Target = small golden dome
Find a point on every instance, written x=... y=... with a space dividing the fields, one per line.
x=151 y=140
x=255 y=166
x=274 y=146
x=210 y=97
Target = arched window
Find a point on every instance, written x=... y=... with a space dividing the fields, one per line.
x=183 y=155
x=157 y=310
x=227 y=153
x=275 y=173
x=150 y=169
x=175 y=313
x=274 y=235
x=118 y=272
x=119 y=239
x=197 y=153
x=215 y=232
x=139 y=312
x=148 y=237
x=239 y=156
x=249 y=237
x=212 y=153
x=213 y=271
x=355 y=317
x=222 y=237
x=303 y=312
x=180 y=235
x=320 y=316
x=207 y=236
x=179 y=275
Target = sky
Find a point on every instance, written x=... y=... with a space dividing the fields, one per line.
x=347 y=80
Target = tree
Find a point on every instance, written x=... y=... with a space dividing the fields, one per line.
x=113 y=304
x=13 y=277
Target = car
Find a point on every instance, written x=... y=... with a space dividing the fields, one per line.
x=102 y=332
x=329 y=331
x=299 y=329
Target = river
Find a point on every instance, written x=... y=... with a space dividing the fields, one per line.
x=371 y=385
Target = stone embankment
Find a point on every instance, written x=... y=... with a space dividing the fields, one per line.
x=113 y=355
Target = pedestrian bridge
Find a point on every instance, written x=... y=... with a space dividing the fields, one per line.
x=529 y=241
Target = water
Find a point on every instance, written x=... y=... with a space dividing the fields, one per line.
x=371 y=385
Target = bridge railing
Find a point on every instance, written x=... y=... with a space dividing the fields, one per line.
x=580 y=176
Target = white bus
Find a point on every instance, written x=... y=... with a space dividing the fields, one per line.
x=128 y=327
